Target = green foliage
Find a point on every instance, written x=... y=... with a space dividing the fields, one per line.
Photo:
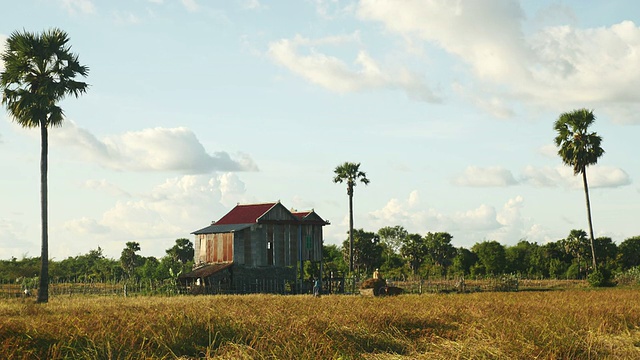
x=367 y=251
x=629 y=253
x=462 y=262
x=182 y=251
x=333 y=260
x=39 y=72
x=439 y=250
x=393 y=237
x=491 y=258
x=414 y=250
x=129 y=259
x=599 y=278
x=629 y=277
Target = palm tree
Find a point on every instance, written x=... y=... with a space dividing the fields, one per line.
x=39 y=72
x=579 y=148
x=350 y=172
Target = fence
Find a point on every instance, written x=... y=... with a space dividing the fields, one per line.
x=71 y=287
x=336 y=285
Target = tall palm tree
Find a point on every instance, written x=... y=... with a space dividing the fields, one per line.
x=579 y=148
x=350 y=172
x=39 y=72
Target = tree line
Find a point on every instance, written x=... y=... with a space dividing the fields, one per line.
x=96 y=267
x=400 y=254
x=397 y=254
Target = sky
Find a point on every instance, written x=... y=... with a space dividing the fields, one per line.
x=195 y=106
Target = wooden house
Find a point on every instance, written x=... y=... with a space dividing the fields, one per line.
x=255 y=248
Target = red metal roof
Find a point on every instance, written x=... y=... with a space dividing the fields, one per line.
x=245 y=214
x=301 y=215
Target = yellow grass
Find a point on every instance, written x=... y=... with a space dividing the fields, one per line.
x=570 y=324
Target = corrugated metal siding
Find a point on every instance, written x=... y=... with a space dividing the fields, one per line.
x=219 y=248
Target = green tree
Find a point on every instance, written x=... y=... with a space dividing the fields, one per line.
x=40 y=71
x=519 y=258
x=129 y=259
x=579 y=148
x=367 y=251
x=463 y=261
x=414 y=250
x=576 y=245
x=439 y=249
x=629 y=253
x=607 y=252
x=350 y=173
x=393 y=236
x=182 y=251
x=333 y=260
x=491 y=257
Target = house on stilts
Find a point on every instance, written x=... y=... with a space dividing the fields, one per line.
x=255 y=248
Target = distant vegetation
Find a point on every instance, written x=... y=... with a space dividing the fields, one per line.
x=398 y=255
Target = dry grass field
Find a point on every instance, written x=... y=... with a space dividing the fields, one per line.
x=559 y=324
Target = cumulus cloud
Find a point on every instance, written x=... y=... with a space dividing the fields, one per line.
x=494 y=176
x=170 y=210
x=78 y=6
x=413 y=214
x=598 y=176
x=190 y=5
x=558 y=66
x=254 y=5
x=330 y=9
x=84 y=226
x=12 y=234
x=334 y=74
x=507 y=225
x=156 y=149
x=105 y=187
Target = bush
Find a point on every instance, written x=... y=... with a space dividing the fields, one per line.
x=629 y=277
x=599 y=278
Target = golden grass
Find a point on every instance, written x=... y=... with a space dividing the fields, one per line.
x=571 y=324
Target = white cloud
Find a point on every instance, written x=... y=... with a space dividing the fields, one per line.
x=12 y=235
x=190 y=5
x=507 y=226
x=84 y=226
x=607 y=177
x=126 y=18
x=254 y=5
x=330 y=9
x=598 y=176
x=156 y=149
x=334 y=74
x=412 y=214
x=558 y=66
x=79 y=6
x=106 y=187
x=170 y=210
x=474 y=176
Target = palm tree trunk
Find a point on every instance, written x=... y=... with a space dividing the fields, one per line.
x=351 y=231
x=586 y=194
x=43 y=288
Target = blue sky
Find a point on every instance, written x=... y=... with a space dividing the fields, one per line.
x=195 y=106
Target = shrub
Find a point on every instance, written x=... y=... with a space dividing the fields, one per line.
x=599 y=278
x=629 y=277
